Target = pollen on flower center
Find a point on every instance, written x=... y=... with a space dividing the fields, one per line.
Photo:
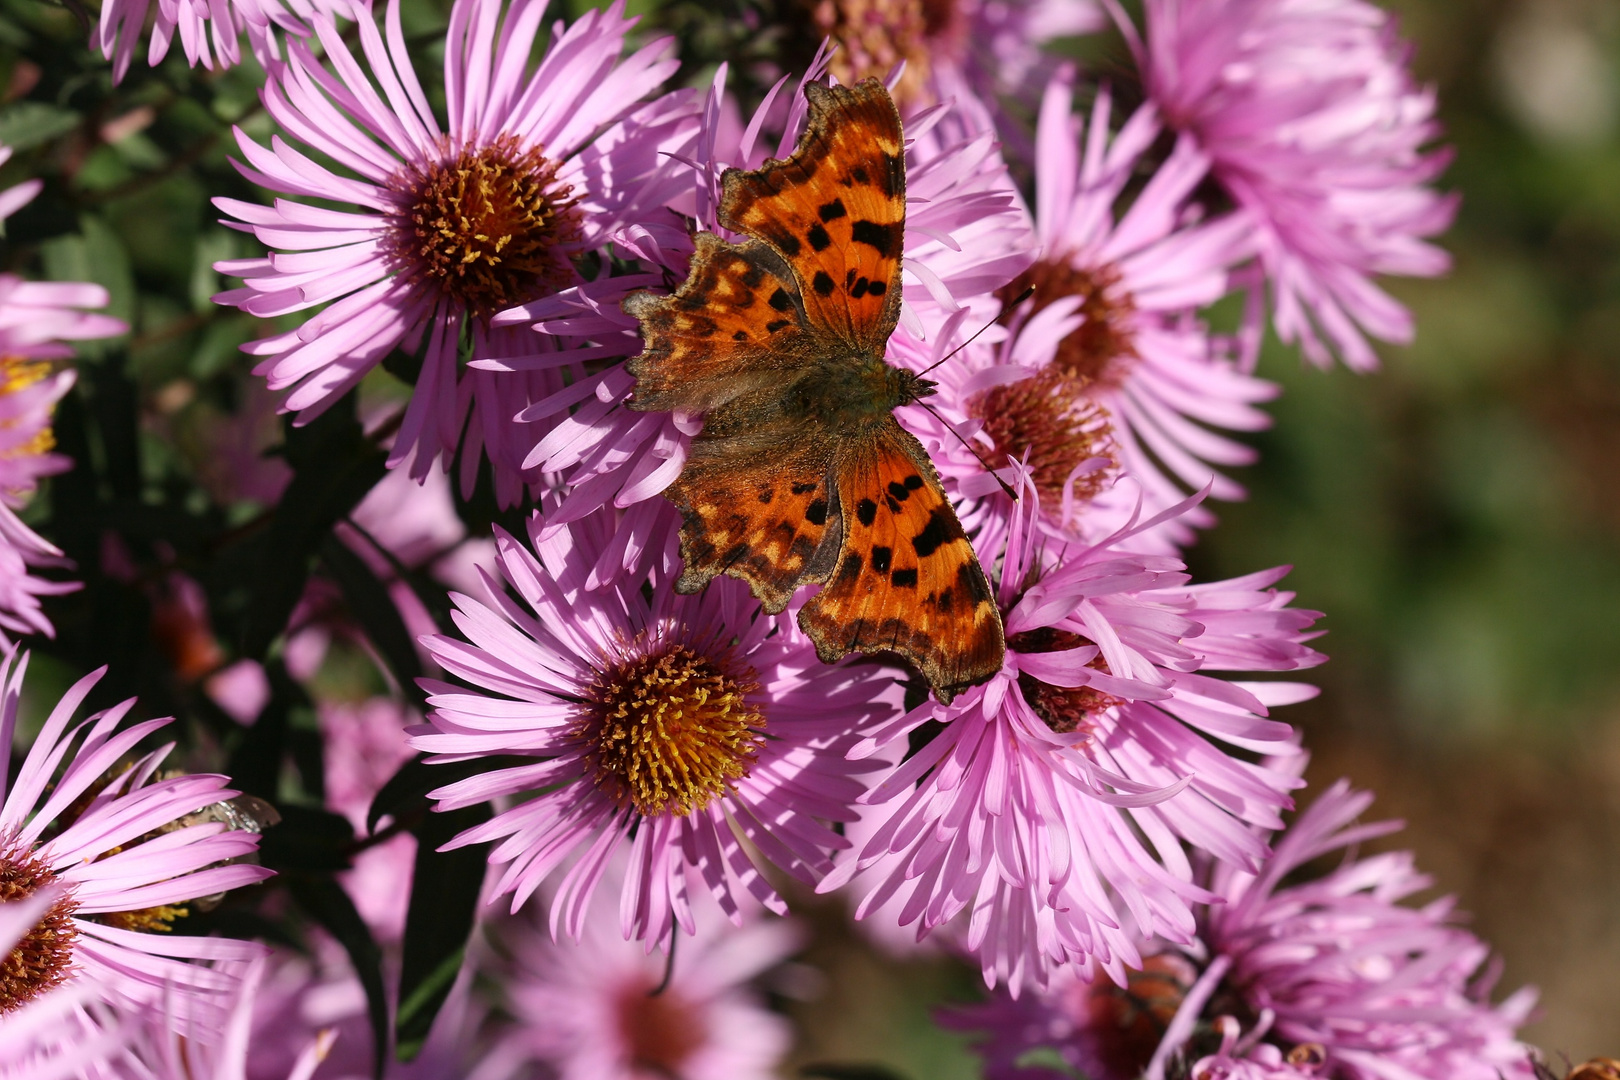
x=43 y=959
x=1048 y=421
x=19 y=373
x=1104 y=343
x=1064 y=709
x=488 y=226
x=672 y=729
x=875 y=35
x=660 y=1031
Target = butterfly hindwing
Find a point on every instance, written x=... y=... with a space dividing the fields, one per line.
x=836 y=211
x=754 y=507
x=735 y=324
x=906 y=578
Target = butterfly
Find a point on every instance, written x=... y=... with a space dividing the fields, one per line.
x=801 y=473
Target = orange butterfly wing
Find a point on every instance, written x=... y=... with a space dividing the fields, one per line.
x=905 y=578
x=736 y=324
x=836 y=211
x=754 y=504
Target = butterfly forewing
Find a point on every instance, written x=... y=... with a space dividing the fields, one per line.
x=736 y=324
x=836 y=210
x=906 y=578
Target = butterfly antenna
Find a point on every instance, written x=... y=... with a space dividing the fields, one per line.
x=669 y=966
x=948 y=426
x=1025 y=295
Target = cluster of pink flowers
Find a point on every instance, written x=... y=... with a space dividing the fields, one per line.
x=663 y=773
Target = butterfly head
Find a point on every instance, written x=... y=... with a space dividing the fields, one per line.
x=907 y=386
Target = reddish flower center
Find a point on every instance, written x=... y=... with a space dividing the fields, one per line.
x=1048 y=419
x=1127 y=1022
x=43 y=959
x=488 y=226
x=672 y=729
x=1102 y=346
x=1061 y=708
x=661 y=1031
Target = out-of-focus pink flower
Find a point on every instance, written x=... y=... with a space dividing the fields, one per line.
x=210 y=30
x=1053 y=801
x=951 y=48
x=1384 y=990
x=1313 y=123
x=690 y=729
x=364 y=745
x=131 y=852
x=23 y=551
x=448 y=228
x=965 y=237
x=599 y=1008
x=1097 y=1029
x=1107 y=371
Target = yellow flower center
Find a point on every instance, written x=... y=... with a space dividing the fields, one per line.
x=671 y=729
x=43 y=959
x=488 y=226
x=19 y=373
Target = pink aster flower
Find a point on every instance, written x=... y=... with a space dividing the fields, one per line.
x=965 y=237
x=131 y=851
x=53 y=1035
x=688 y=729
x=210 y=30
x=1107 y=371
x=1386 y=991
x=1052 y=802
x=599 y=1008
x=538 y=168
x=1313 y=123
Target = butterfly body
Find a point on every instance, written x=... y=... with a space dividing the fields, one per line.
x=801 y=474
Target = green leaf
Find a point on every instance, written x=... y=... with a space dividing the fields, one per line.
x=324 y=900
x=334 y=466
x=307 y=841
x=29 y=123
x=443 y=910
x=374 y=609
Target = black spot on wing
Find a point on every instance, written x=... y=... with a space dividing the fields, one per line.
x=740 y=335
x=777 y=324
x=766 y=495
x=816 y=512
x=892 y=503
x=901 y=492
x=894 y=174
x=914 y=482
x=788 y=243
x=780 y=300
x=885 y=238
x=858 y=176
x=880 y=559
x=935 y=534
x=970 y=579
x=851 y=568
x=866 y=511
x=858 y=290
x=800 y=487
x=818 y=237
x=904 y=579
x=876 y=288
x=753 y=276
x=832 y=211
x=823 y=283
